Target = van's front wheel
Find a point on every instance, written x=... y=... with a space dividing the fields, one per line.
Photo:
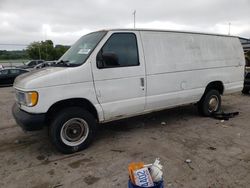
x=72 y=129
x=209 y=103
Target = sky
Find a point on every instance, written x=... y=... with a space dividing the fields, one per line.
x=64 y=21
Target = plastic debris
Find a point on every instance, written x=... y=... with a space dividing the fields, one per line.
x=189 y=161
x=169 y=185
x=222 y=121
x=156 y=170
x=211 y=148
x=224 y=126
x=145 y=175
x=163 y=123
x=133 y=167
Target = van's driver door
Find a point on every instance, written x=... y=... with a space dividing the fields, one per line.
x=119 y=74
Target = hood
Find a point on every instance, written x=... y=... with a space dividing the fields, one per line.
x=39 y=78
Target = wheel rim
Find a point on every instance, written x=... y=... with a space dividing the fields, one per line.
x=213 y=103
x=74 y=132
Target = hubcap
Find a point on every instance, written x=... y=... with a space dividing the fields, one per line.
x=213 y=104
x=74 y=131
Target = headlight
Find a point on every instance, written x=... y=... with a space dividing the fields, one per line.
x=27 y=98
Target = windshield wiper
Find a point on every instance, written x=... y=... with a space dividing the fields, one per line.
x=63 y=62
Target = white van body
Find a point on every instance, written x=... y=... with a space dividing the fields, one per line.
x=175 y=68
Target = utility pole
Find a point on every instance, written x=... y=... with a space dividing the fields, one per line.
x=229 y=28
x=45 y=42
x=134 y=17
x=39 y=51
x=46 y=57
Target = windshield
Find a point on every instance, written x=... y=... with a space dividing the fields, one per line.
x=79 y=52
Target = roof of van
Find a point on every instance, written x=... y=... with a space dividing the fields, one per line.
x=174 y=31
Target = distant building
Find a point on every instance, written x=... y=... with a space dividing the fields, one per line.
x=245 y=44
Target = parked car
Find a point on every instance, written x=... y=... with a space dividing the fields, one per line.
x=31 y=64
x=246 y=87
x=114 y=74
x=8 y=75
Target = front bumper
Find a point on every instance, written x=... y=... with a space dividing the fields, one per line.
x=28 y=121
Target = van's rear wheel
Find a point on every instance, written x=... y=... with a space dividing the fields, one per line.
x=72 y=129
x=209 y=103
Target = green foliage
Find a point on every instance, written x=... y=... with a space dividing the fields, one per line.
x=45 y=50
x=11 y=55
x=60 y=50
x=36 y=50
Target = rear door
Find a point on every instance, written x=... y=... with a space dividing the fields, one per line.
x=120 y=84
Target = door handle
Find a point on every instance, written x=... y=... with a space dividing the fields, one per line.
x=142 y=82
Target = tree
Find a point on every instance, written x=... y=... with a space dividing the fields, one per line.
x=14 y=54
x=46 y=50
x=60 y=50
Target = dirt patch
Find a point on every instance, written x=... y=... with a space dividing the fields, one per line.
x=219 y=151
x=40 y=157
x=91 y=179
x=77 y=164
x=51 y=172
x=42 y=185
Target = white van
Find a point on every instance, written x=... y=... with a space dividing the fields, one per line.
x=113 y=74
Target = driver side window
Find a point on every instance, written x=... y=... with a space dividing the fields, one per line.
x=119 y=51
x=3 y=72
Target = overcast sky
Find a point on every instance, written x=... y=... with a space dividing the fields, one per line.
x=64 y=21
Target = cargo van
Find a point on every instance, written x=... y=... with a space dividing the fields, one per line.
x=113 y=74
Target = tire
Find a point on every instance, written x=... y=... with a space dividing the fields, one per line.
x=209 y=103
x=72 y=130
x=245 y=91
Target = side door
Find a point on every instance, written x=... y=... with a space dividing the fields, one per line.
x=13 y=74
x=32 y=64
x=4 y=77
x=119 y=74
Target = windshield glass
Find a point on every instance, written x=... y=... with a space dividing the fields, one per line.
x=79 y=52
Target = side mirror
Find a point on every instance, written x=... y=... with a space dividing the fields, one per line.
x=99 y=60
x=107 y=59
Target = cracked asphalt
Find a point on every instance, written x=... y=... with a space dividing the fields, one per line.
x=219 y=151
